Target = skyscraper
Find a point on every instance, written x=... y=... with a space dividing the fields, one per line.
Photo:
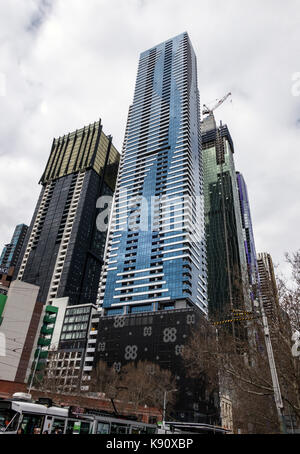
x=10 y=255
x=249 y=242
x=154 y=285
x=156 y=257
x=226 y=257
x=268 y=287
x=11 y=251
x=63 y=253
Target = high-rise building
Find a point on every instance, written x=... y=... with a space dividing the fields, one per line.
x=11 y=251
x=10 y=255
x=156 y=257
x=226 y=257
x=63 y=252
x=268 y=287
x=153 y=291
x=249 y=242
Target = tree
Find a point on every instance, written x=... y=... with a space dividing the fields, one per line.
x=242 y=362
x=241 y=370
x=139 y=384
x=146 y=383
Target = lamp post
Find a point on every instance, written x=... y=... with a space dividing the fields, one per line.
x=165 y=404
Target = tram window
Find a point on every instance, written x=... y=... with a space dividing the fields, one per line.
x=118 y=429
x=32 y=424
x=58 y=426
x=8 y=420
x=84 y=428
x=102 y=428
x=76 y=426
x=70 y=426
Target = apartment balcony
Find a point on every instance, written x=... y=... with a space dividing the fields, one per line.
x=43 y=354
x=46 y=330
x=49 y=319
x=89 y=359
x=44 y=342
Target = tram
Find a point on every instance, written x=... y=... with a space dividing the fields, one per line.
x=20 y=415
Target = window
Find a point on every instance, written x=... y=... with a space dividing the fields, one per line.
x=32 y=424
x=58 y=426
x=103 y=428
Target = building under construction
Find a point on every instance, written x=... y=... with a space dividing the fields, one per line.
x=227 y=265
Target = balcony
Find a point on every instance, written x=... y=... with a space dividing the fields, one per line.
x=43 y=354
x=89 y=359
x=46 y=330
x=49 y=319
x=44 y=342
x=52 y=309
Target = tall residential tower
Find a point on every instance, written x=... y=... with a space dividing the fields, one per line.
x=156 y=257
x=11 y=251
x=153 y=288
x=63 y=253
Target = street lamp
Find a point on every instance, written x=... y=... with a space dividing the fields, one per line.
x=165 y=403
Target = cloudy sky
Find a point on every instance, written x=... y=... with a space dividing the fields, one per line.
x=67 y=63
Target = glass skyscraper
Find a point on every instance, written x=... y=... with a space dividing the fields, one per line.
x=249 y=242
x=11 y=251
x=156 y=253
x=227 y=265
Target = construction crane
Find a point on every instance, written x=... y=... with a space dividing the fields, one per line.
x=207 y=111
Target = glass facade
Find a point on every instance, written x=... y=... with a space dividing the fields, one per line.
x=249 y=243
x=227 y=266
x=80 y=150
x=156 y=253
x=11 y=251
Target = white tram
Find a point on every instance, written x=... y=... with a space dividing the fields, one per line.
x=20 y=415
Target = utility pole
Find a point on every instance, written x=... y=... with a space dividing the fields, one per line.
x=33 y=374
x=273 y=370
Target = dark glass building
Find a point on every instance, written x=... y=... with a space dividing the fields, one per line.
x=249 y=243
x=63 y=253
x=228 y=287
x=12 y=250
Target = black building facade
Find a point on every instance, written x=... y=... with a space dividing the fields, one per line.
x=63 y=251
x=159 y=337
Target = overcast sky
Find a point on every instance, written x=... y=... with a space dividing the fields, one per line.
x=67 y=63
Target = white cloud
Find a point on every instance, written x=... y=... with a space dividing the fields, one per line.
x=68 y=62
